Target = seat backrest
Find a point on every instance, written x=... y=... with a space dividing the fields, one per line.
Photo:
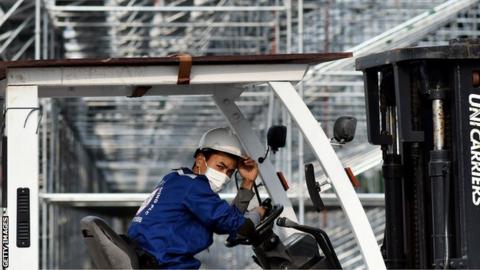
x=106 y=248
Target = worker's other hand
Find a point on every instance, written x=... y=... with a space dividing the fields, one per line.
x=248 y=170
x=261 y=211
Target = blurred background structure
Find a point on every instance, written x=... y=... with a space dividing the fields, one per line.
x=121 y=147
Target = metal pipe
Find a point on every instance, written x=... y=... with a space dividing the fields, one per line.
x=391 y=121
x=23 y=49
x=9 y=13
x=52 y=43
x=15 y=33
x=163 y=24
x=438 y=124
x=288 y=8
x=271 y=109
x=45 y=35
x=277 y=29
x=44 y=186
x=289 y=148
x=55 y=9
x=51 y=180
x=55 y=236
x=301 y=172
x=439 y=171
x=50 y=243
x=37 y=29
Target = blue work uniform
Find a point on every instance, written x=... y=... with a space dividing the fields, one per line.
x=179 y=218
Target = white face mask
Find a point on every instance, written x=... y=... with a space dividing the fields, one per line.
x=216 y=179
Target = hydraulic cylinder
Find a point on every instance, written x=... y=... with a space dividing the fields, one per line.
x=439 y=172
x=395 y=258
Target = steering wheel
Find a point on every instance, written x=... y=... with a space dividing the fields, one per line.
x=270 y=216
x=271 y=213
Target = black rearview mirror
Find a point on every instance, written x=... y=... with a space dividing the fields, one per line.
x=344 y=129
x=276 y=137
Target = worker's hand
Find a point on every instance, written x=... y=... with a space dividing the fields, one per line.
x=248 y=170
x=261 y=211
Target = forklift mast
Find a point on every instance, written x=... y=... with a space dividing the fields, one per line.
x=423 y=109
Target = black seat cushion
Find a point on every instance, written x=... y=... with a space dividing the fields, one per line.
x=107 y=249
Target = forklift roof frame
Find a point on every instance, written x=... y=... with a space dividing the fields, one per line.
x=221 y=77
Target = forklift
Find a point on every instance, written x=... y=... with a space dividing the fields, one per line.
x=423 y=110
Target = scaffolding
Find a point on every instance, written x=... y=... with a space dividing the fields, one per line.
x=131 y=143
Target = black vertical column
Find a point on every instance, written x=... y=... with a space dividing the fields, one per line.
x=392 y=173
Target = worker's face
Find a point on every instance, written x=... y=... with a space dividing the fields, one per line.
x=218 y=161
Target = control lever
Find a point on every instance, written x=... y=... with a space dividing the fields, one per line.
x=313 y=188
x=285 y=222
x=320 y=236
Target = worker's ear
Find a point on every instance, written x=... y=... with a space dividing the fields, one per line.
x=199 y=161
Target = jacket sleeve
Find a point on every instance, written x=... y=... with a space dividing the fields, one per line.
x=242 y=200
x=213 y=211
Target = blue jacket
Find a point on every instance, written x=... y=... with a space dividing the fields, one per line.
x=179 y=218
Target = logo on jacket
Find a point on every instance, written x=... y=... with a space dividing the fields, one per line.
x=147 y=205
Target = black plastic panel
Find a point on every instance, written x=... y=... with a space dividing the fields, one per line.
x=23 y=217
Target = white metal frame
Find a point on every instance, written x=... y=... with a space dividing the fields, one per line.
x=223 y=82
x=255 y=149
x=331 y=165
x=23 y=171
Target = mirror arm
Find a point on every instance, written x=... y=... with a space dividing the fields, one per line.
x=262 y=159
x=257 y=193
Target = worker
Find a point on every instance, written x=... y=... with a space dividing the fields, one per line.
x=180 y=216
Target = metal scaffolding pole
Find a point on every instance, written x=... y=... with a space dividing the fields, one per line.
x=56 y=8
x=11 y=11
x=301 y=162
x=38 y=21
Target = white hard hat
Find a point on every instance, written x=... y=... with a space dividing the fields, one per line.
x=223 y=140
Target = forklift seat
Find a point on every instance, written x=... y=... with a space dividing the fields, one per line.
x=106 y=248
